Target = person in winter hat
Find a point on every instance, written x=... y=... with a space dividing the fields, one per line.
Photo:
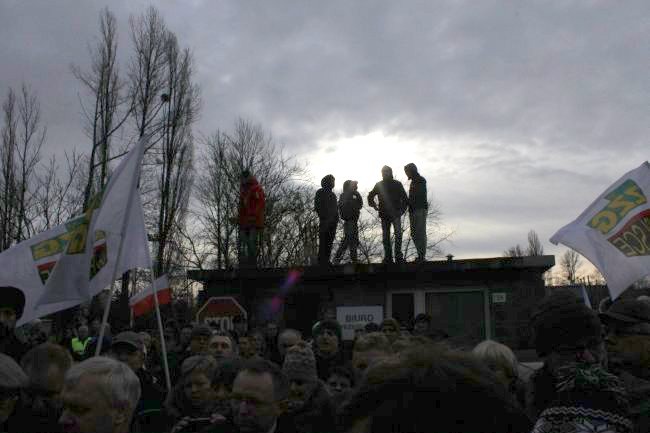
x=628 y=350
x=325 y=206
x=392 y=205
x=252 y=203
x=12 y=304
x=328 y=346
x=418 y=206
x=573 y=390
x=350 y=204
x=309 y=404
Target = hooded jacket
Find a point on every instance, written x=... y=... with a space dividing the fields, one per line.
x=325 y=201
x=417 y=189
x=392 y=197
x=251 y=205
x=350 y=203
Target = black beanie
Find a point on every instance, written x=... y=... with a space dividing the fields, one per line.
x=14 y=298
x=563 y=319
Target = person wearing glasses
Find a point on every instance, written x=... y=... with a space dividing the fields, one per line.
x=627 y=324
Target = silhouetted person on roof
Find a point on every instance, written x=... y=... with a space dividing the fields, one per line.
x=417 y=210
x=251 y=218
x=392 y=205
x=325 y=206
x=350 y=203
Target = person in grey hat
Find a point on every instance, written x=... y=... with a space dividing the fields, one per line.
x=627 y=324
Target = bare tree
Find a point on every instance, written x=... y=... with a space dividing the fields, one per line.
x=8 y=172
x=110 y=106
x=570 y=262
x=287 y=238
x=535 y=247
x=150 y=37
x=176 y=153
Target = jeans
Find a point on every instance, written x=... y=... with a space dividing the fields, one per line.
x=350 y=240
x=326 y=234
x=248 y=247
x=397 y=227
x=418 y=221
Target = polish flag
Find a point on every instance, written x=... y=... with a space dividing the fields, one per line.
x=143 y=301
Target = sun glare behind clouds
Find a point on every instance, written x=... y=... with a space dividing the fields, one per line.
x=361 y=158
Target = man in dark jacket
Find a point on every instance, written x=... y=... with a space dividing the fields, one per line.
x=392 y=205
x=325 y=206
x=12 y=304
x=417 y=210
x=350 y=203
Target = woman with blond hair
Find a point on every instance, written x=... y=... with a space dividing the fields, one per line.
x=502 y=361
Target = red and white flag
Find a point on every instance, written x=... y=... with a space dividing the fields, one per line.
x=143 y=301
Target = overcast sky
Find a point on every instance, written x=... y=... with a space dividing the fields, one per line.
x=518 y=114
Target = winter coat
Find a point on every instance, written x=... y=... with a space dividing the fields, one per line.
x=325 y=201
x=418 y=193
x=251 y=205
x=392 y=198
x=350 y=203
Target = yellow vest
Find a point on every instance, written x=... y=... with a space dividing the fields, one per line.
x=78 y=346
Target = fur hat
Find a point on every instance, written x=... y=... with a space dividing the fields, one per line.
x=300 y=363
x=562 y=319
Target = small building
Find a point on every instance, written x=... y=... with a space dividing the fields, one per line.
x=470 y=300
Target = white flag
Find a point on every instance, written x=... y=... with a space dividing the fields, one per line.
x=614 y=231
x=67 y=265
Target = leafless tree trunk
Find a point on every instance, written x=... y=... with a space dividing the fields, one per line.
x=111 y=107
x=176 y=153
x=147 y=69
x=8 y=172
x=535 y=247
x=570 y=262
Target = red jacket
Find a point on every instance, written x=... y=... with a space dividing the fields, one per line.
x=251 y=205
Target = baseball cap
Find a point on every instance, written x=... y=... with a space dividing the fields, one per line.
x=130 y=338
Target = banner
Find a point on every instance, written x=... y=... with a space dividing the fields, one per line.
x=67 y=265
x=613 y=233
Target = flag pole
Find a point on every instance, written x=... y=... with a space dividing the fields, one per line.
x=162 y=333
x=119 y=251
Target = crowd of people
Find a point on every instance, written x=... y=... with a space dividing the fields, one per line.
x=594 y=377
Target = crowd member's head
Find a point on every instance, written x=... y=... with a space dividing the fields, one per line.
x=628 y=336
x=12 y=304
x=258 y=396
x=340 y=382
x=147 y=341
x=198 y=395
x=369 y=349
x=300 y=369
x=185 y=335
x=429 y=389
x=82 y=332
x=99 y=396
x=327 y=337
x=45 y=365
x=498 y=358
x=222 y=346
x=222 y=381
x=271 y=331
x=95 y=326
x=128 y=347
x=288 y=338
x=247 y=346
x=421 y=324
x=391 y=328
x=12 y=381
x=567 y=331
x=199 y=339
x=241 y=325
x=260 y=341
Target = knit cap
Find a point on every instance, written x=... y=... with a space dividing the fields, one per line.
x=332 y=325
x=300 y=363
